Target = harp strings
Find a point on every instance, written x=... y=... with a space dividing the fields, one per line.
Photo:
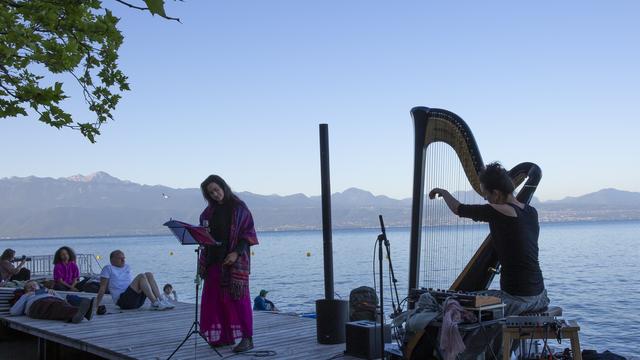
x=448 y=240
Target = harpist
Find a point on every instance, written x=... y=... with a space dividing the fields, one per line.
x=514 y=238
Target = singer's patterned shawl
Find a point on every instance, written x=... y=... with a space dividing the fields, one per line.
x=235 y=278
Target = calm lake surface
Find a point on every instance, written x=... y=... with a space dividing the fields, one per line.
x=591 y=270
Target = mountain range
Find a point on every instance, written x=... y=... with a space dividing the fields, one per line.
x=102 y=205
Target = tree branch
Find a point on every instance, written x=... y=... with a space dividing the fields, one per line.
x=13 y=4
x=146 y=8
x=10 y=91
x=131 y=5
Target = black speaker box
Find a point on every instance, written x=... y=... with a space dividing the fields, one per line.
x=363 y=339
x=331 y=317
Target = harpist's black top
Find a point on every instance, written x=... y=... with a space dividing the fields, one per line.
x=515 y=240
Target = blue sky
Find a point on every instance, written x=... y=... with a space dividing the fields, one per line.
x=239 y=89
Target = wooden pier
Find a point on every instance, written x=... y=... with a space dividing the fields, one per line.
x=148 y=334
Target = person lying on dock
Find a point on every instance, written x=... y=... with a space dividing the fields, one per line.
x=129 y=292
x=65 y=271
x=41 y=303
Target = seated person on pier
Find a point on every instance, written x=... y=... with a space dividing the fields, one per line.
x=129 y=292
x=514 y=236
x=41 y=303
x=8 y=271
x=65 y=271
x=260 y=303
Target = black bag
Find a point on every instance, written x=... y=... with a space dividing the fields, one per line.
x=594 y=355
x=91 y=287
x=363 y=303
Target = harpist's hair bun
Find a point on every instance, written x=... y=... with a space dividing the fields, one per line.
x=495 y=177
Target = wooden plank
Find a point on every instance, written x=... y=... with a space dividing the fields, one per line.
x=146 y=334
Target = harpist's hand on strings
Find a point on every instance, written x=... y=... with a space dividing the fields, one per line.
x=451 y=202
x=437 y=192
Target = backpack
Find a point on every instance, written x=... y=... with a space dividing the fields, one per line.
x=91 y=287
x=363 y=302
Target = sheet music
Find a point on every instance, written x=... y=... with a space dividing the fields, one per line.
x=188 y=234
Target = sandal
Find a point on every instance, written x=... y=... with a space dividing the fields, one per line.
x=245 y=344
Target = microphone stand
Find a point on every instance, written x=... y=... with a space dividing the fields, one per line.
x=394 y=281
x=382 y=239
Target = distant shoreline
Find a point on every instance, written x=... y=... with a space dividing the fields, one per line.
x=544 y=223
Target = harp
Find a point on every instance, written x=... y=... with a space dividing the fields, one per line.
x=456 y=253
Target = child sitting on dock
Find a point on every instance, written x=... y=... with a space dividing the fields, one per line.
x=167 y=292
x=129 y=292
x=41 y=303
x=65 y=272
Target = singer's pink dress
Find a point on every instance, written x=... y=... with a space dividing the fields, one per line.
x=226 y=304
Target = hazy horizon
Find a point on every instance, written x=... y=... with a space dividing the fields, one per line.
x=239 y=88
x=269 y=194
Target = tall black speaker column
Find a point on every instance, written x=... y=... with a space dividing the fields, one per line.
x=331 y=315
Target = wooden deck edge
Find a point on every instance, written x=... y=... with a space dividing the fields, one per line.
x=63 y=340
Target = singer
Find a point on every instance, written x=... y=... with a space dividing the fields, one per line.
x=226 y=304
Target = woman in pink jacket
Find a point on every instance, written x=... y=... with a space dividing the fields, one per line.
x=65 y=272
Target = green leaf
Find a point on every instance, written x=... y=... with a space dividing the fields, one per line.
x=156 y=7
x=80 y=39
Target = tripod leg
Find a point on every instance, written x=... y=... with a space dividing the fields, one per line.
x=192 y=329
x=207 y=341
x=195 y=327
x=182 y=343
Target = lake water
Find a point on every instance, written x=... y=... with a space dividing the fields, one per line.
x=591 y=270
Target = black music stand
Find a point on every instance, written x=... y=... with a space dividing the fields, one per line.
x=192 y=235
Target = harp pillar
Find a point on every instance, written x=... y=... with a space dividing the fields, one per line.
x=420 y=125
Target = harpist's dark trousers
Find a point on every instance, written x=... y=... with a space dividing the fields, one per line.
x=52 y=308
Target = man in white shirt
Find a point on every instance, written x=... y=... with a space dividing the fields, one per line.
x=129 y=292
